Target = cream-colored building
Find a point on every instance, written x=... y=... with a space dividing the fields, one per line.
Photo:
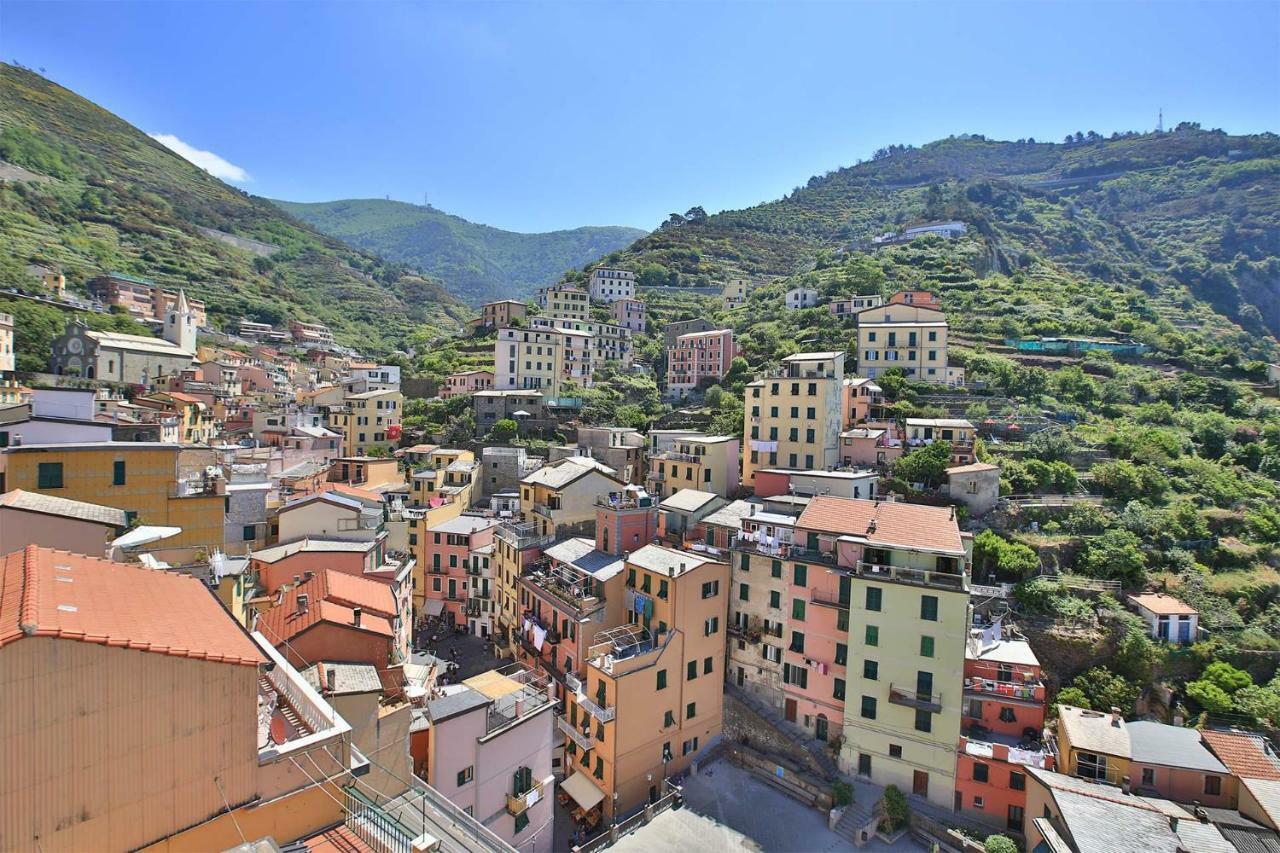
x=609 y=342
x=368 y=421
x=708 y=463
x=734 y=293
x=565 y=300
x=543 y=359
x=793 y=420
x=910 y=337
x=609 y=285
x=7 y=356
x=562 y=495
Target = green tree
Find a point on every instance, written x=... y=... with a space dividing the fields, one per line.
x=999 y=844
x=896 y=810
x=1074 y=697
x=1209 y=696
x=1116 y=554
x=1260 y=703
x=926 y=465
x=1226 y=677
x=1106 y=689
x=504 y=430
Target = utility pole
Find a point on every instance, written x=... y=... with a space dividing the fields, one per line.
x=1160 y=121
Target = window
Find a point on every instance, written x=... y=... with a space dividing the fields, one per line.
x=842 y=654
x=49 y=475
x=838 y=689
x=1213 y=785
x=1007 y=715
x=869 y=707
x=875 y=597
x=929 y=608
x=775 y=569
x=797 y=642
x=711 y=589
x=707 y=666
x=773 y=654
x=926 y=647
x=981 y=773
x=668 y=719
x=465 y=775
x=711 y=626
x=978 y=802
x=522 y=821
x=797 y=675
x=871 y=670
x=842 y=621
x=797 y=609
x=662 y=679
x=873 y=635
x=1017 y=780
x=744 y=563
x=895 y=750
x=662 y=585
x=599 y=771
x=801 y=575
x=692 y=670
x=1091 y=766
x=117 y=473
x=1016 y=817
x=691 y=710
x=775 y=599
x=924 y=721
x=247 y=533
x=744 y=592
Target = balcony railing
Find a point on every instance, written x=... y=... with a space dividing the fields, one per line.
x=573 y=682
x=910 y=698
x=1026 y=691
x=583 y=741
x=829 y=599
x=521 y=535
x=518 y=805
x=921 y=577
x=674 y=456
x=543 y=510
x=809 y=555
x=603 y=714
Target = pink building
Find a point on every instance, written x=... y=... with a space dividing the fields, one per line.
x=697 y=358
x=869 y=447
x=629 y=313
x=448 y=552
x=465 y=383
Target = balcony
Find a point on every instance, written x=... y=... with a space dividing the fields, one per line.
x=1028 y=692
x=809 y=555
x=604 y=714
x=545 y=511
x=954 y=581
x=519 y=805
x=582 y=740
x=909 y=698
x=565 y=590
x=826 y=598
x=997 y=747
x=521 y=535
x=673 y=456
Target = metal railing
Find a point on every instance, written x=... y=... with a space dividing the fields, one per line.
x=911 y=698
x=583 y=741
x=518 y=805
x=922 y=577
x=603 y=714
x=829 y=599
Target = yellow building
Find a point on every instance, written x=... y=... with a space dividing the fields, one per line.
x=565 y=300
x=707 y=463
x=1093 y=744
x=441 y=490
x=912 y=338
x=142 y=478
x=542 y=358
x=196 y=421
x=908 y=623
x=734 y=293
x=653 y=694
x=370 y=420
x=793 y=420
x=560 y=498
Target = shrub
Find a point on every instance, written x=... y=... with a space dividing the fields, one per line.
x=1073 y=696
x=841 y=793
x=896 y=810
x=1226 y=677
x=1209 y=696
x=999 y=844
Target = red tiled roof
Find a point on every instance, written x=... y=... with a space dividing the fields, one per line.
x=898 y=525
x=352 y=491
x=1242 y=753
x=1163 y=605
x=48 y=593
x=331 y=597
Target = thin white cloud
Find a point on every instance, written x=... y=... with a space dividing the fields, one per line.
x=207 y=160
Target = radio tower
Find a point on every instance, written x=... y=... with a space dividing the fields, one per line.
x=1160 y=121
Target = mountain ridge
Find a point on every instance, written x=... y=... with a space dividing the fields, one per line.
x=476 y=261
x=109 y=198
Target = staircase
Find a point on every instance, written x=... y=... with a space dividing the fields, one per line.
x=816 y=749
x=858 y=818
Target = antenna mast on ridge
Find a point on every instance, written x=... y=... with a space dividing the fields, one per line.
x=1160 y=121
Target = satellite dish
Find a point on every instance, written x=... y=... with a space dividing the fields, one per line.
x=279 y=728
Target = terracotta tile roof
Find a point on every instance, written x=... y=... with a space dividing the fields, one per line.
x=64 y=507
x=331 y=597
x=1243 y=753
x=1162 y=605
x=48 y=593
x=353 y=492
x=896 y=524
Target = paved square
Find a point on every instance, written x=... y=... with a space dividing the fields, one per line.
x=727 y=808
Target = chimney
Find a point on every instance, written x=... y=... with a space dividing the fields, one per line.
x=297 y=579
x=331 y=679
x=1115 y=717
x=1125 y=785
x=303 y=602
x=355 y=616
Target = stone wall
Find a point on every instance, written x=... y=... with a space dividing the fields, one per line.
x=793 y=779
x=761 y=736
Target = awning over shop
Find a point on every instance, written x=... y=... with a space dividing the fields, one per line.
x=583 y=790
x=435 y=606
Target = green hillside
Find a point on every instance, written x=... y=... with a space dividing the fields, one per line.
x=476 y=262
x=94 y=194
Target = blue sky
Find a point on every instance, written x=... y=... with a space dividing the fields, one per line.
x=534 y=116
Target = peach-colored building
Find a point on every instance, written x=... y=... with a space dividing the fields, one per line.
x=138 y=713
x=465 y=383
x=918 y=298
x=1173 y=762
x=629 y=313
x=870 y=447
x=698 y=358
x=449 y=550
x=862 y=401
x=499 y=314
x=30 y=518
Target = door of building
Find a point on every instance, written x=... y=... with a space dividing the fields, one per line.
x=742 y=676
x=820 y=728
x=790 y=710
x=920 y=783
